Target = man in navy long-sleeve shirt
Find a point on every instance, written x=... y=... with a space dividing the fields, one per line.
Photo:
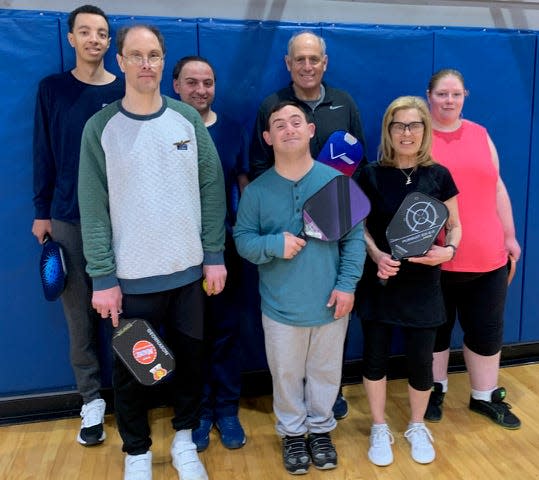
x=64 y=103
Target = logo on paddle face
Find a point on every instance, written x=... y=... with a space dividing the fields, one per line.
x=144 y=352
x=158 y=372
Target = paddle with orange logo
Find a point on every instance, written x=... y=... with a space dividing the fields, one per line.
x=142 y=351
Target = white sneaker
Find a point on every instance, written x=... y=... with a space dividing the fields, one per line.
x=185 y=457
x=91 y=430
x=421 y=440
x=381 y=439
x=138 y=467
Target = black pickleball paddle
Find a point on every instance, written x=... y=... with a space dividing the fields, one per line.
x=334 y=210
x=142 y=351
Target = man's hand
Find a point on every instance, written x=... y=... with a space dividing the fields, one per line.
x=343 y=302
x=292 y=245
x=40 y=228
x=215 y=276
x=108 y=303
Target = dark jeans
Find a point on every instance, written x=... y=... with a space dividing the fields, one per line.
x=222 y=370
x=178 y=315
x=222 y=367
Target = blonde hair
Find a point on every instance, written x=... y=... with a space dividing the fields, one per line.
x=386 y=152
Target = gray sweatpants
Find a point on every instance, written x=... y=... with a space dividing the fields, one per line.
x=81 y=317
x=306 y=366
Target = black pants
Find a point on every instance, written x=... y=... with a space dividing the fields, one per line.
x=479 y=301
x=178 y=315
x=418 y=348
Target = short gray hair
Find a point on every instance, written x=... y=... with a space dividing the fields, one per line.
x=303 y=32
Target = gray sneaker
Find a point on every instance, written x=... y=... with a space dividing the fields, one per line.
x=381 y=439
x=295 y=455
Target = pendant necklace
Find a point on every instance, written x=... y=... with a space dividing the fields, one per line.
x=408 y=175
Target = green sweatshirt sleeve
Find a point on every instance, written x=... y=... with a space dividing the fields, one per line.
x=94 y=204
x=212 y=196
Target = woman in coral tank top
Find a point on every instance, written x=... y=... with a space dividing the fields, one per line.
x=474 y=282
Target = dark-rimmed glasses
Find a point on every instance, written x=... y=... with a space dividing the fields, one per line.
x=400 y=127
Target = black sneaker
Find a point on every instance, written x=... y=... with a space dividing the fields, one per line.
x=436 y=400
x=295 y=456
x=497 y=410
x=323 y=453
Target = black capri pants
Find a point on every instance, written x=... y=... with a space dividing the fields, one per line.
x=478 y=299
x=418 y=347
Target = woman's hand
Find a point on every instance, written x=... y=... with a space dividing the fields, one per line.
x=387 y=266
x=436 y=255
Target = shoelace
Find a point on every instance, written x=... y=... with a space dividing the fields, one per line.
x=295 y=446
x=320 y=444
x=92 y=413
x=501 y=407
x=419 y=430
x=379 y=436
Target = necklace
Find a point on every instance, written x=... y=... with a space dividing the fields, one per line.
x=408 y=175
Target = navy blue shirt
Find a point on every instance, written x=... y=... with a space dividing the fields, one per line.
x=232 y=143
x=63 y=106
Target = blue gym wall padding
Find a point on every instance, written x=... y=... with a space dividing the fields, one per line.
x=374 y=63
x=530 y=297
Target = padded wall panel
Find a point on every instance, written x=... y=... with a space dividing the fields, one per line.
x=376 y=65
x=35 y=355
x=498 y=69
x=249 y=61
x=530 y=297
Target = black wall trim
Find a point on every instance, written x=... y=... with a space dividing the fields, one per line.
x=48 y=406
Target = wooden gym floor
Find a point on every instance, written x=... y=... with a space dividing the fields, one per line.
x=468 y=445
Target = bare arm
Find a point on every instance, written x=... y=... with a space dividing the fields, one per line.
x=505 y=211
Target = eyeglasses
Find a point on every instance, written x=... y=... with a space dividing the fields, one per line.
x=136 y=59
x=413 y=127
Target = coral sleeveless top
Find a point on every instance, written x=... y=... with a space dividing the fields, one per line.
x=465 y=152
